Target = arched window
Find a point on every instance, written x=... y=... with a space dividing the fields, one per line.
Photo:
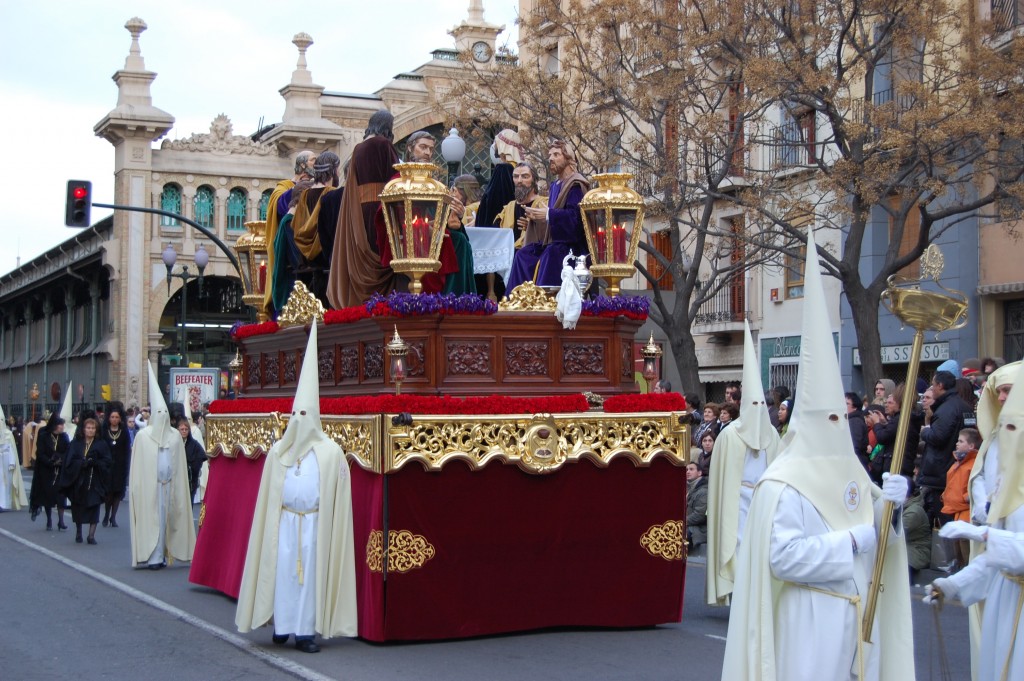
x=238 y=201
x=204 y=206
x=170 y=200
x=264 y=202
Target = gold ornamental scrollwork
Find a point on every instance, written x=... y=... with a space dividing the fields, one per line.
x=528 y=297
x=406 y=551
x=302 y=308
x=379 y=446
x=664 y=540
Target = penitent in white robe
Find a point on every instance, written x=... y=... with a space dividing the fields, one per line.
x=164 y=473
x=12 y=485
x=780 y=631
x=295 y=582
x=754 y=466
x=985 y=579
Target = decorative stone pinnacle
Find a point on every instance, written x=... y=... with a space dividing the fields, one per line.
x=135 y=26
x=476 y=12
x=302 y=41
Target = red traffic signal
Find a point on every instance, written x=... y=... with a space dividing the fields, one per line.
x=78 y=203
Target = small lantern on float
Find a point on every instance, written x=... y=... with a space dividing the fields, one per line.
x=650 y=352
x=235 y=366
x=251 y=249
x=416 y=211
x=613 y=218
x=397 y=349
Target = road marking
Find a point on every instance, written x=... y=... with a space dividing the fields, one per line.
x=717 y=638
x=243 y=644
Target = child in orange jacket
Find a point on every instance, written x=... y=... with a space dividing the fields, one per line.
x=954 y=499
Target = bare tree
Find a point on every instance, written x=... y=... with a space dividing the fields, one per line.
x=745 y=122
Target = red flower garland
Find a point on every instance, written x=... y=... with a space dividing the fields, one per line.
x=346 y=315
x=621 y=404
x=250 y=330
x=415 y=404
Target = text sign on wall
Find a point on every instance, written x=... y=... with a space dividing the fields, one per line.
x=194 y=387
x=900 y=354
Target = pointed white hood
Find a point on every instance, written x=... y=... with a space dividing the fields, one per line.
x=1010 y=436
x=5 y=432
x=754 y=425
x=159 y=428
x=304 y=429
x=67 y=414
x=988 y=402
x=817 y=456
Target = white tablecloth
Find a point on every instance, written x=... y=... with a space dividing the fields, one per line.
x=493 y=249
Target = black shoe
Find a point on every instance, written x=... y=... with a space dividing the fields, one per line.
x=158 y=566
x=113 y=523
x=105 y=522
x=78 y=539
x=281 y=640
x=91 y=540
x=61 y=526
x=35 y=514
x=307 y=645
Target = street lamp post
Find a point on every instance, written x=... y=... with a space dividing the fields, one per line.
x=453 y=150
x=170 y=257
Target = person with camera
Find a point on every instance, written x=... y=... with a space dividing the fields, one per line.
x=86 y=475
x=884 y=425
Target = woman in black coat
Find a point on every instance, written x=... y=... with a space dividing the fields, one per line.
x=51 y=447
x=195 y=455
x=116 y=435
x=87 y=471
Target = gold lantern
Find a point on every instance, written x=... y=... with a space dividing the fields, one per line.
x=650 y=352
x=251 y=249
x=613 y=218
x=416 y=210
x=397 y=349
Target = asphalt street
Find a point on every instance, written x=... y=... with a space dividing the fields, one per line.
x=82 y=612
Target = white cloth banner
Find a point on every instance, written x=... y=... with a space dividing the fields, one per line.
x=493 y=249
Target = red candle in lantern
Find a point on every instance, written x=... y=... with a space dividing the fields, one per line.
x=263 y=276
x=420 y=237
x=619 y=243
x=601 y=247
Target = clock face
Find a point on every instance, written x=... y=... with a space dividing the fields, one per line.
x=481 y=51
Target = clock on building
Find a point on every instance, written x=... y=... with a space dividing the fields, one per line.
x=481 y=51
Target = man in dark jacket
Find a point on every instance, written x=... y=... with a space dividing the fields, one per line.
x=940 y=439
x=858 y=427
x=885 y=426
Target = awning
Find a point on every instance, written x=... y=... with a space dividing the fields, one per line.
x=720 y=375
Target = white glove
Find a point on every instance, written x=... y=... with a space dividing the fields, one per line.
x=864 y=538
x=894 y=488
x=980 y=515
x=960 y=529
x=941 y=588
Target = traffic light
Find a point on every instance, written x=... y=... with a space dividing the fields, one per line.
x=78 y=203
x=105 y=392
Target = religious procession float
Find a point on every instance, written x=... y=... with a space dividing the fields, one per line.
x=506 y=472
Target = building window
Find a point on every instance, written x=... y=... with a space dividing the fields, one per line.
x=661 y=242
x=911 y=233
x=1007 y=14
x=794 y=274
x=238 y=201
x=264 y=202
x=551 y=61
x=736 y=131
x=203 y=205
x=170 y=200
x=795 y=138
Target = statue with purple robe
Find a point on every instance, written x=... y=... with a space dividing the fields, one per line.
x=555 y=230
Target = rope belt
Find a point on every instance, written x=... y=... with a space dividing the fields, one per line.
x=301 y=514
x=1019 y=581
x=748 y=485
x=855 y=601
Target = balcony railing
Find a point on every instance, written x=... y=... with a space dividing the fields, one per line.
x=1007 y=14
x=727 y=306
x=790 y=149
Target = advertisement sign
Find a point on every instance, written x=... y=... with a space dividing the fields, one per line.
x=195 y=387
